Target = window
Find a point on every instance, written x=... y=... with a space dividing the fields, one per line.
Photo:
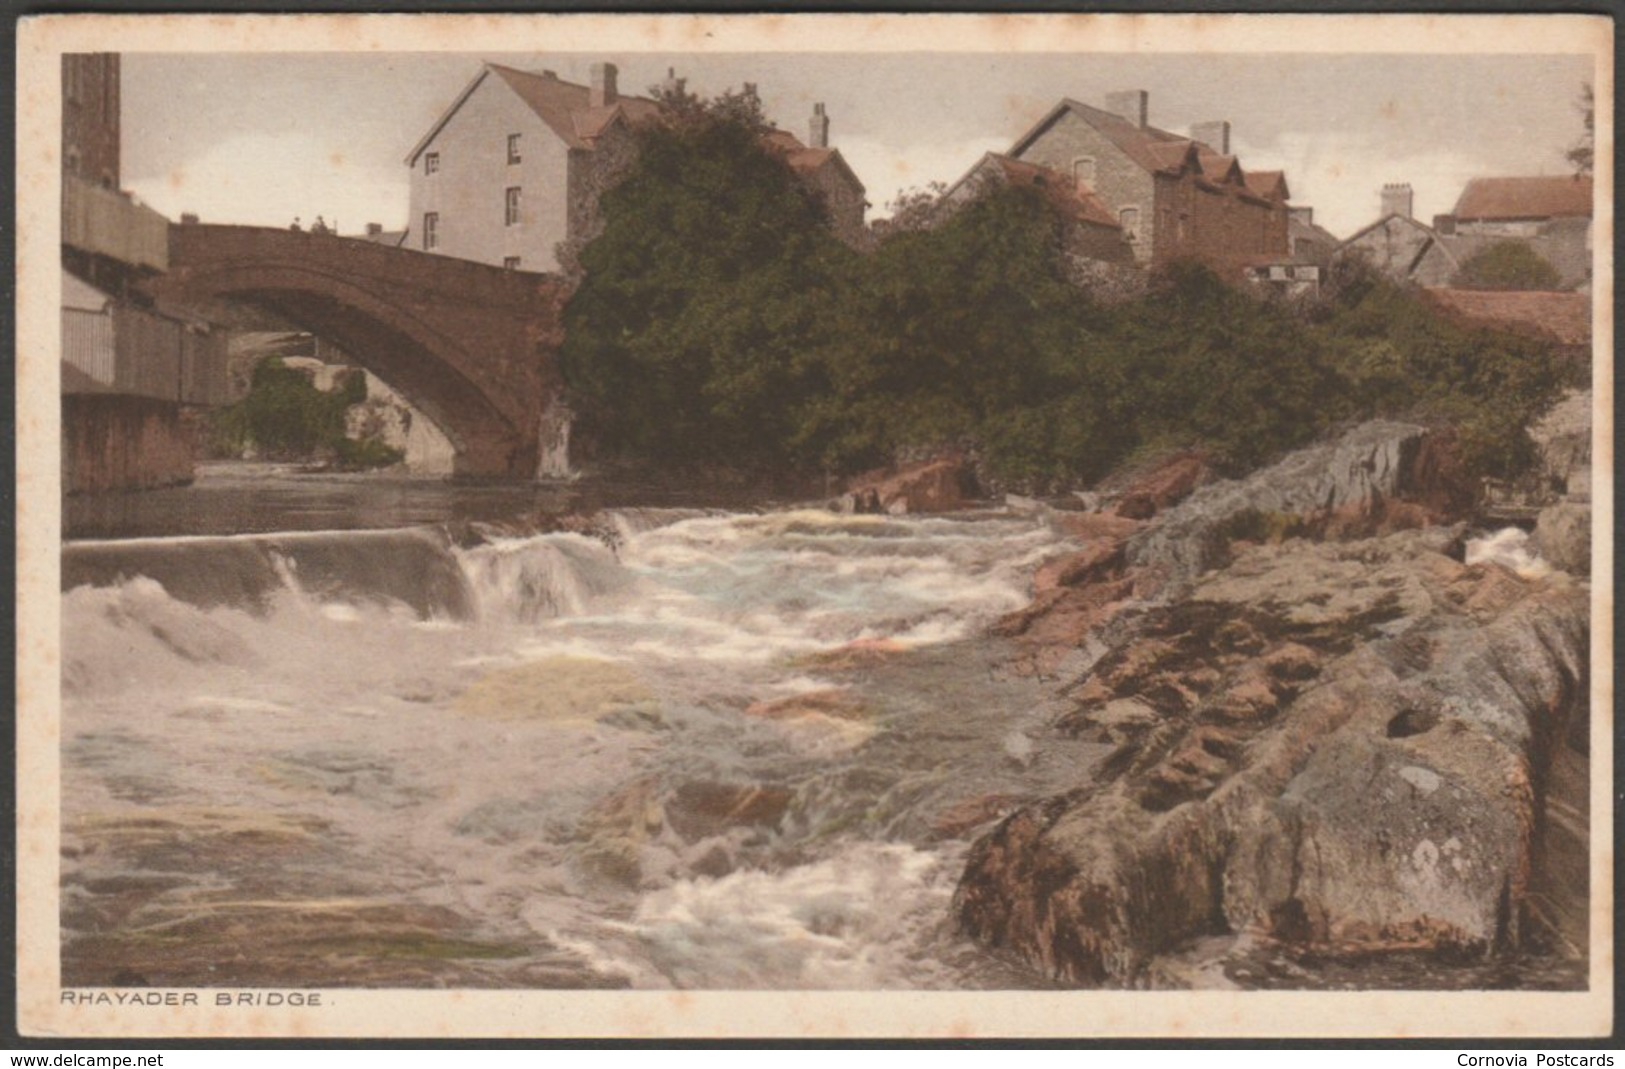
x=431 y=163
x=431 y=227
x=510 y=263
x=1083 y=171
x=1129 y=220
x=511 y=206
x=513 y=148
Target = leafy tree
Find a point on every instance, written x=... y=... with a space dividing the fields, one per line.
x=1507 y=265
x=703 y=289
x=285 y=416
x=1583 y=154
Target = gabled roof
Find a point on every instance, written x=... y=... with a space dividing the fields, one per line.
x=1525 y=198
x=1565 y=317
x=805 y=161
x=1218 y=166
x=1059 y=189
x=1406 y=219
x=565 y=107
x=1145 y=145
x=1271 y=185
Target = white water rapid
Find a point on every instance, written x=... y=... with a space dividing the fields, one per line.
x=715 y=751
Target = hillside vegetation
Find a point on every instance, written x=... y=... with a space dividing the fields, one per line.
x=718 y=323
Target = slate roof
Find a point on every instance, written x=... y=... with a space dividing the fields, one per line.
x=1564 y=317
x=564 y=106
x=1525 y=198
x=805 y=161
x=1151 y=148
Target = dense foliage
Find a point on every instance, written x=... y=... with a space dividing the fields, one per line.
x=719 y=323
x=1507 y=265
x=285 y=417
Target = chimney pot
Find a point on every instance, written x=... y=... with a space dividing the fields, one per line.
x=1131 y=104
x=1396 y=200
x=819 y=128
x=603 y=92
x=1215 y=135
x=374 y=229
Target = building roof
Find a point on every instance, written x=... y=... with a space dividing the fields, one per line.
x=1061 y=191
x=1525 y=198
x=1564 y=317
x=564 y=106
x=1145 y=145
x=805 y=161
x=1271 y=185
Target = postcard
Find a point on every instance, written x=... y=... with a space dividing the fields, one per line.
x=910 y=526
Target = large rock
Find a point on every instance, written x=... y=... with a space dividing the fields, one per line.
x=1337 y=745
x=936 y=486
x=1563 y=536
x=1348 y=480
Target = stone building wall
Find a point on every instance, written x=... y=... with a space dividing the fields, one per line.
x=1119 y=182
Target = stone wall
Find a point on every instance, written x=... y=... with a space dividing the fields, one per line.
x=1119 y=182
x=115 y=442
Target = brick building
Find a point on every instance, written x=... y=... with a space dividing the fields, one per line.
x=511 y=172
x=1173 y=197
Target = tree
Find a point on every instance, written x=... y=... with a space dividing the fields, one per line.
x=700 y=294
x=1583 y=154
x=1507 y=265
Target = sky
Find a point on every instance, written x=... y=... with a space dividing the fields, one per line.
x=260 y=139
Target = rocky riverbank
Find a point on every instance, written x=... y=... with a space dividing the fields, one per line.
x=1338 y=733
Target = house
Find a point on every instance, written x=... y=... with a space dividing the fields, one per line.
x=1551 y=216
x=1174 y=197
x=1093 y=231
x=507 y=173
x=511 y=173
x=826 y=173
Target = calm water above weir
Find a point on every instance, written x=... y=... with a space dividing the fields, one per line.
x=710 y=749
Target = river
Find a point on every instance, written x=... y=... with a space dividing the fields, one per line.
x=694 y=748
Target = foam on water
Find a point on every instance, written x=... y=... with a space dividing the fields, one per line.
x=485 y=764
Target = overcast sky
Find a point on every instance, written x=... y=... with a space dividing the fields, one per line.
x=263 y=138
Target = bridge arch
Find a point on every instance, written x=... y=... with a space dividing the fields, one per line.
x=471 y=346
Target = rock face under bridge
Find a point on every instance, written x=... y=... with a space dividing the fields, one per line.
x=472 y=346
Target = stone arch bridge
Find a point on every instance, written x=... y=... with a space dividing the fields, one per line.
x=471 y=346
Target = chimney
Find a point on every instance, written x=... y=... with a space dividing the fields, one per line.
x=1215 y=135
x=1445 y=224
x=551 y=75
x=1131 y=104
x=1396 y=200
x=374 y=229
x=189 y=219
x=673 y=85
x=603 y=85
x=1306 y=216
x=819 y=128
